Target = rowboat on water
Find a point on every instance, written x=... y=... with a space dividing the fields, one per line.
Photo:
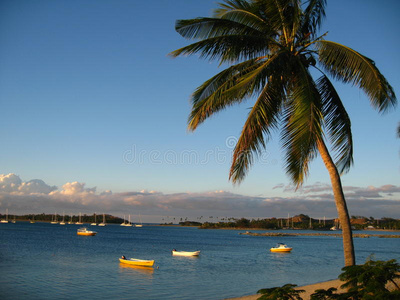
x=137 y=262
x=85 y=231
x=185 y=253
x=281 y=248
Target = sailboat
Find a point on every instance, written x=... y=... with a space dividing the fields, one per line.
x=33 y=220
x=123 y=223
x=14 y=220
x=54 y=220
x=104 y=221
x=6 y=220
x=336 y=225
x=63 y=220
x=139 y=225
x=94 y=223
x=129 y=224
x=80 y=220
x=70 y=221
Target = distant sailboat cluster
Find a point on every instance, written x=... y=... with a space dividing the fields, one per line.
x=69 y=219
x=129 y=224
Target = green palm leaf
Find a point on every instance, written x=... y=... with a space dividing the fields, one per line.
x=244 y=17
x=313 y=17
x=204 y=28
x=263 y=117
x=230 y=48
x=338 y=124
x=348 y=65
x=229 y=5
x=303 y=124
x=211 y=96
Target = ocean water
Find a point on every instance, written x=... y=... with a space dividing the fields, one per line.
x=48 y=261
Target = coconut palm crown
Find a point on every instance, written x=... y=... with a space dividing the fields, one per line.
x=270 y=48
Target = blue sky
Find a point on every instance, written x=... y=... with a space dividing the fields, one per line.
x=89 y=95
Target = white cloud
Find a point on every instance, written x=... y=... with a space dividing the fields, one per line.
x=36 y=186
x=75 y=188
x=12 y=183
x=9 y=183
x=316 y=200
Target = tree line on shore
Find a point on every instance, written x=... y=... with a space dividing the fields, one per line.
x=67 y=218
x=296 y=222
x=299 y=222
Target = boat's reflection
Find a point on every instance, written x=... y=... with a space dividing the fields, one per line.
x=185 y=257
x=136 y=269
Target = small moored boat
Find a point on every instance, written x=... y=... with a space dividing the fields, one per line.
x=85 y=231
x=185 y=253
x=137 y=262
x=281 y=248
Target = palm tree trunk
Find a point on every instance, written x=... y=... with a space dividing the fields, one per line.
x=340 y=201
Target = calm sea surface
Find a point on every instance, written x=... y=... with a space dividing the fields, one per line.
x=47 y=261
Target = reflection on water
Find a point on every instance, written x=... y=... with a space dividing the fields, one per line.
x=130 y=269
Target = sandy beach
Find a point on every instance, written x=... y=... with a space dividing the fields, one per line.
x=310 y=289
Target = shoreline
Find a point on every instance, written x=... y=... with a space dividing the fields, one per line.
x=309 y=289
x=355 y=235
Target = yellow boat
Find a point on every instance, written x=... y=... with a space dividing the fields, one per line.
x=281 y=248
x=137 y=262
x=84 y=231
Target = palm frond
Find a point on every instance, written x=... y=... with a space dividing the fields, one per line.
x=314 y=14
x=245 y=18
x=214 y=83
x=227 y=48
x=337 y=123
x=204 y=28
x=229 y=5
x=275 y=12
x=348 y=65
x=303 y=124
x=210 y=97
x=284 y=16
x=262 y=118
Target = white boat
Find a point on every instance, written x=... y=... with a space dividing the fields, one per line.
x=80 y=220
x=104 y=221
x=129 y=224
x=70 y=221
x=54 y=220
x=123 y=223
x=185 y=253
x=5 y=220
x=63 y=220
x=94 y=223
x=281 y=248
x=139 y=225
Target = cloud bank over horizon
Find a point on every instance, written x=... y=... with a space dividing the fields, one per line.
x=316 y=200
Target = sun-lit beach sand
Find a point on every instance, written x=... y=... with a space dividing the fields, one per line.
x=311 y=288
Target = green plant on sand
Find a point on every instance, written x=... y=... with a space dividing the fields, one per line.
x=362 y=282
x=286 y=292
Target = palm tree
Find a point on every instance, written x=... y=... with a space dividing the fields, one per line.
x=270 y=48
